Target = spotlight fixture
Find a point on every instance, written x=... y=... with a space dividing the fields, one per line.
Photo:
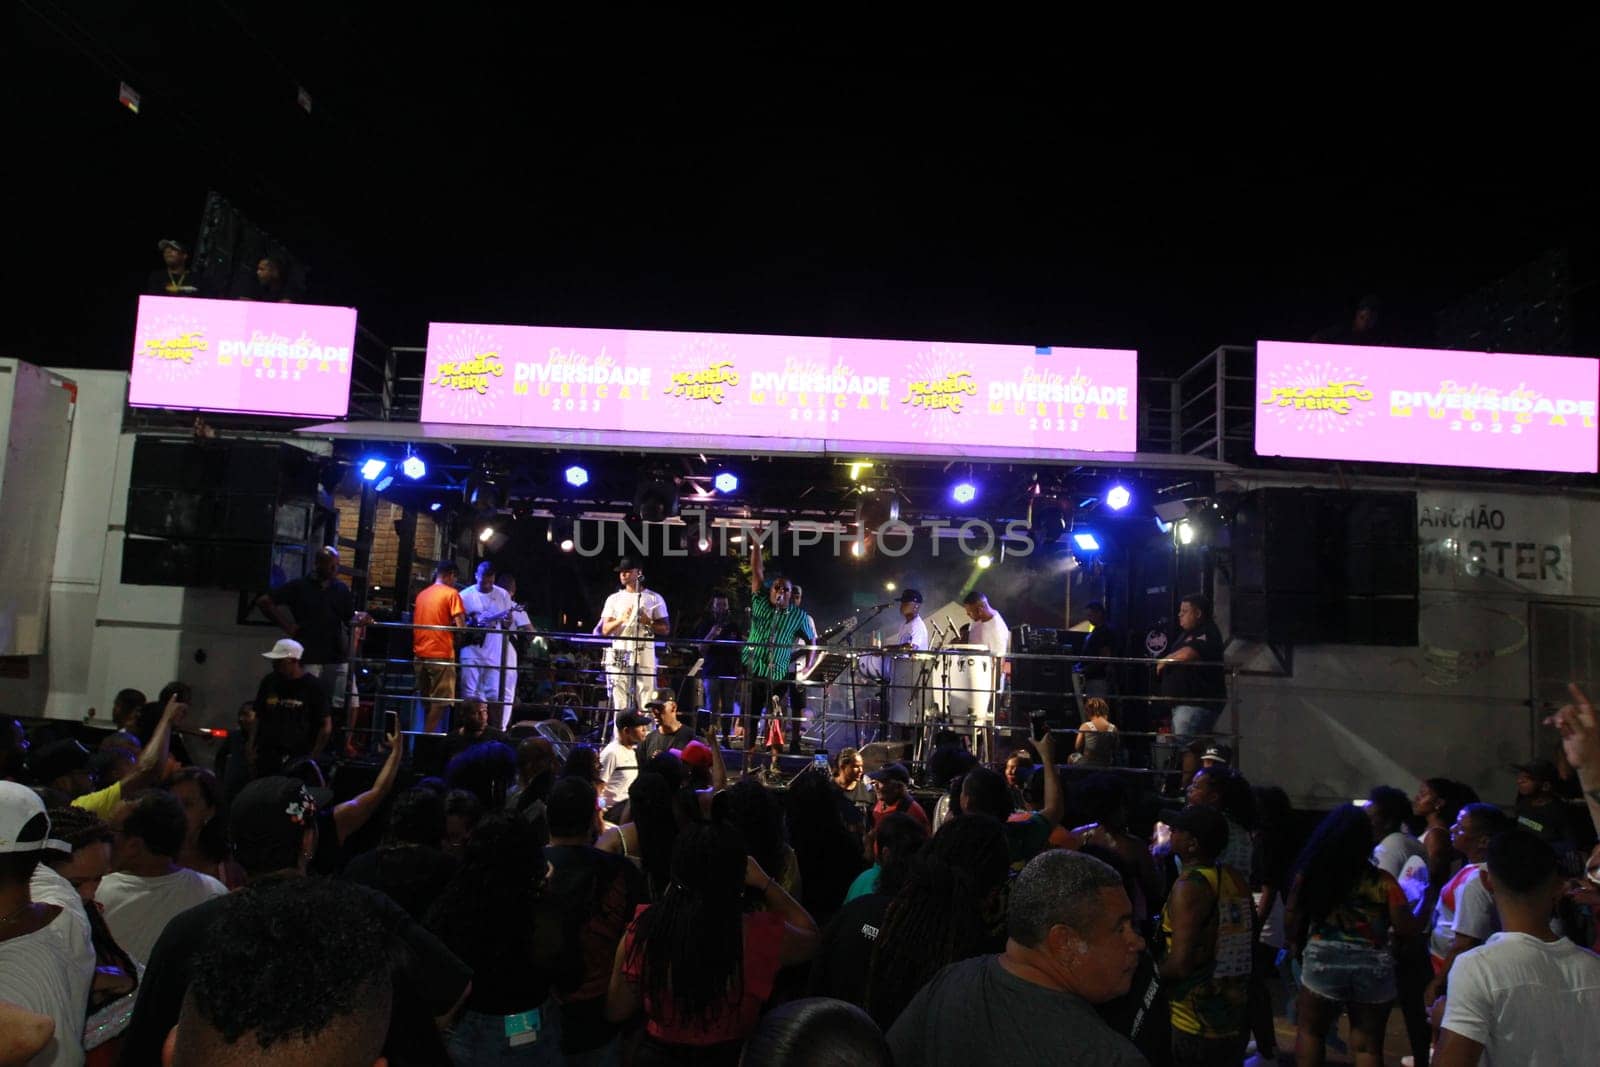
x=413 y=467
x=656 y=500
x=435 y=506
x=577 y=476
x=726 y=482
x=964 y=493
x=1086 y=541
x=385 y=482
x=985 y=562
x=888 y=587
x=371 y=468
x=1186 y=532
x=562 y=532
x=1118 y=497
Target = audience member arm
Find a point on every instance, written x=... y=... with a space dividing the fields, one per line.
x=623 y=999
x=1190 y=902
x=153 y=760
x=23 y=1034
x=800 y=934
x=1580 y=741
x=354 y=813
x=1055 y=805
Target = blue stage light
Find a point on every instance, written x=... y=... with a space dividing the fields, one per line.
x=577 y=477
x=1118 y=498
x=371 y=468
x=964 y=493
x=1086 y=541
x=414 y=468
x=726 y=482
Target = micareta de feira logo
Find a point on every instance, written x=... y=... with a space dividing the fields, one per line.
x=708 y=383
x=948 y=393
x=469 y=375
x=1337 y=397
x=179 y=347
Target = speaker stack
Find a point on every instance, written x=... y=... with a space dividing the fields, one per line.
x=1320 y=566
x=236 y=515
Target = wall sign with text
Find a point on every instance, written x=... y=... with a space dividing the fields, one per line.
x=921 y=394
x=1417 y=405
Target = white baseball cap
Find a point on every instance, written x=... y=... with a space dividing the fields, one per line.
x=24 y=826
x=287 y=648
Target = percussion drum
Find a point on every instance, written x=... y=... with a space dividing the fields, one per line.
x=969 y=700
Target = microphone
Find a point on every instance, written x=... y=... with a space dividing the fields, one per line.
x=955 y=633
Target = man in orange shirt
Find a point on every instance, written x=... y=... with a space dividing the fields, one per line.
x=435 y=650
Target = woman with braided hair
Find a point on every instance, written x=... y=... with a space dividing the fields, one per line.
x=937 y=917
x=698 y=965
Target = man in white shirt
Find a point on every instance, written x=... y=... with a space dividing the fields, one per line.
x=46 y=959
x=1465 y=917
x=988 y=628
x=902 y=670
x=1526 y=997
x=633 y=617
x=148 y=887
x=619 y=762
x=1397 y=853
x=481 y=676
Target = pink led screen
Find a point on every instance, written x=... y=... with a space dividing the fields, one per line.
x=1419 y=405
x=926 y=395
x=244 y=356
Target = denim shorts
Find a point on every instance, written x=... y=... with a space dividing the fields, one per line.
x=1348 y=973
x=1190 y=721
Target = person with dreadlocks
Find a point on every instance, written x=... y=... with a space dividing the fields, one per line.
x=937 y=917
x=698 y=965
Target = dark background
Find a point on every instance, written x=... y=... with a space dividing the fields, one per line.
x=1163 y=186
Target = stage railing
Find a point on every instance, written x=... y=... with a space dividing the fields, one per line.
x=853 y=690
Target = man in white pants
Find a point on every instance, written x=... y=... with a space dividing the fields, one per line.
x=633 y=617
x=987 y=627
x=481 y=677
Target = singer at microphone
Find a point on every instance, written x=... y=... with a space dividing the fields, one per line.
x=633 y=617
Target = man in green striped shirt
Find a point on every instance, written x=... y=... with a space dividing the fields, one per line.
x=774 y=625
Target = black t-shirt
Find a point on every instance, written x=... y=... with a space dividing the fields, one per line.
x=322 y=612
x=976 y=1011
x=845 y=953
x=1188 y=683
x=181 y=283
x=657 y=742
x=289 y=713
x=1552 y=823
x=722 y=661
x=412 y=876
x=1103 y=641
x=598 y=893
x=1143 y=1014
x=428 y=979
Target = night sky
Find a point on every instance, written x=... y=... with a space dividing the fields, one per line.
x=950 y=180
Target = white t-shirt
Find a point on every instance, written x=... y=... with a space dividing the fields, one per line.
x=482 y=604
x=994 y=635
x=50 y=970
x=619 y=766
x=1528 y=1002
x=1400 y=855
x=913 y=633
x=1465 y=907
x=652 y=609
x=137 y=909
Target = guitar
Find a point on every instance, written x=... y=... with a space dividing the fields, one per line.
x=474 y=639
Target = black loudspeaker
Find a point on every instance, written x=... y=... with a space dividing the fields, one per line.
x=1326 y=566
x=1042 y=684
x=235 y=515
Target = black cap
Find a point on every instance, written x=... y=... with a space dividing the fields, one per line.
x=628 y=563
x=271 y=813
x=658 y=698
x=912 y=595
x=627 y=720
x=1541 y=770
x=1208 y=825
x=891 y=772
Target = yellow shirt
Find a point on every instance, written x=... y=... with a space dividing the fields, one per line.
x=101 y=802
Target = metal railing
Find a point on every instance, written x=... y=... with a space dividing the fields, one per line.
x=858 y=694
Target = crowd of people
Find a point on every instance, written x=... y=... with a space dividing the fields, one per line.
x=527 y=902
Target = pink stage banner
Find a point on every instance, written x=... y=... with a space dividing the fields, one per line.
x=239 y=355
x=922 y=394
x=1420 y=405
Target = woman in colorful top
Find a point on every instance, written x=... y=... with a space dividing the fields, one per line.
x=696 y=963
x=1342 y=911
